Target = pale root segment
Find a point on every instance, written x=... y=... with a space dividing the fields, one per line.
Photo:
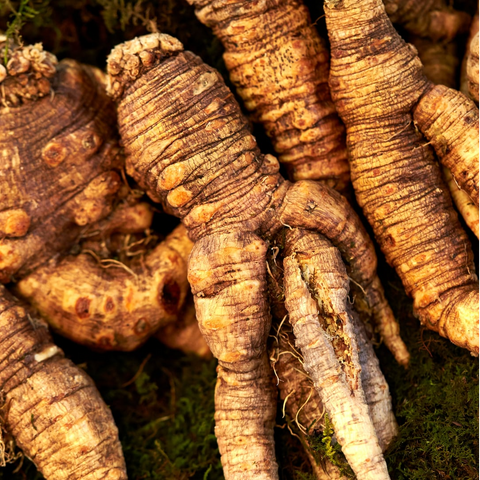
x=435 y=19
x=58 y=156
x=313 y=206
x=110 y=305
x=315 y=250
x=190 y=148
x=299 y=398
x=468 y=210
x=227 y=273
x=279 y=66
x=300 y=401
x=375 y=388
x=316 y=299
x=55 y=413
x=396 y=178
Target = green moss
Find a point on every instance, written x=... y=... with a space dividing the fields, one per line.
x=435 y=402
x=324 y=446
x=166 y=417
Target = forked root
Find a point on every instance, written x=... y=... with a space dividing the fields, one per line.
x=313 y=206
x=316 y=290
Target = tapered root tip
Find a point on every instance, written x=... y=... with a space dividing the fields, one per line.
x=28 y=72
x=461 y=327
x=131 y=59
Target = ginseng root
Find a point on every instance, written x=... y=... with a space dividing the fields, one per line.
x=184 y=334
x=111 y=305
x=58 y=157
x=469 y=76
x=297 y=391
x=300 y=401
x=316 y=289
x=395 y=175
x=189 y=147
x=440 y=66
x=279 y=66
x=54 y=411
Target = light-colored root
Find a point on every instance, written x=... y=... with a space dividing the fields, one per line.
x=316 y=207
x=299 y=399
x=184 y=334
x=296 y=388
x=316 y=290
x=467 y=208
x=54 y=411
x=107 y=305
x=376 y=388
x=227 y=274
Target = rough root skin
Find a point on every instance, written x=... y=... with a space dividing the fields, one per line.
x=396 y=178
x=29 y=73
x=227 y=276
x=472 y=69
x=454 y=138
x=468 y=210
x=129 y=60
x=190 y=148
x=316 y=300
x=44 y=206
x=279 y=66
x=299 y=399
x=112 y=309
x=55 y=412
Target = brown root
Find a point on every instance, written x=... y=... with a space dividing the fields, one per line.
x=435 y=19
x=55 y=413
x=281 y=73
x=396 y=178
x=44 y=206
x=227 y=274
x=184 y=334
x=108 y=305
